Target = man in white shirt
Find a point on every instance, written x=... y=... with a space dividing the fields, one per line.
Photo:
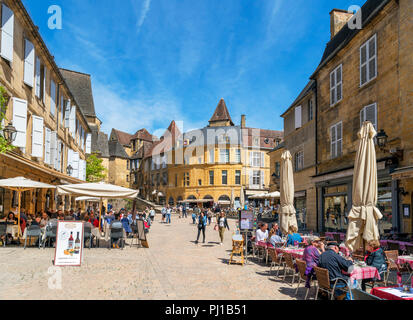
x=262 y=233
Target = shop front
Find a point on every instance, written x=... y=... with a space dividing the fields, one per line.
x=335 y=200
x=300 y=205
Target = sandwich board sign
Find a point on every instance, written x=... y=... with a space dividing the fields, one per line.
x=246 y=220
x=69 y=244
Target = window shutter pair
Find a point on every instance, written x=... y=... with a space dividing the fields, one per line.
x=336 y=140
x=20 y=122
x=29 y=59
x=53 y=149
x=369 y=113
x=7 y=33
x=37 y=137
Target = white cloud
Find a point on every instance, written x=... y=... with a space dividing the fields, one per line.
x=145 y=9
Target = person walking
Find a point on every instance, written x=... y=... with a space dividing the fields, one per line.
x=202 y=222
x=222 y=224
x=168 y=214
x=209 y=216
x=184 y=212
x=152 y=214
x=163 y=214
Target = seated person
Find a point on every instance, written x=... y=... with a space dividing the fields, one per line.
x=116 y=224
x=376 y=258
x=93 y=220
x=293 y=238
x=261 y=234
x=11 y=218
x=336 y=265
x=274 y=239
x=311 y=256
x=44 y=220
x=277 y=229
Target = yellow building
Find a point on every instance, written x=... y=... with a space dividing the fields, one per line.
x=52 y=131
x=222 y=162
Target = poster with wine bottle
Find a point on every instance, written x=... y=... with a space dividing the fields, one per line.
x=69 y=244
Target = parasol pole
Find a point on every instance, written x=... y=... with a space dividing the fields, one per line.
x=19 y=205
x=100 y=212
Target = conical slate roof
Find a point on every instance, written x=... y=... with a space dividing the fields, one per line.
x=221 y=113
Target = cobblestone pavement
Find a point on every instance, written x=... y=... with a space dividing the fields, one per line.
x=173 y=268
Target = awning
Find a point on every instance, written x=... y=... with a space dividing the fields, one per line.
x=160 y=194
x=91 y=199
x=224 y=202
x=99 y=190
x=197 y=201
x=402 y=173
x=154 y=192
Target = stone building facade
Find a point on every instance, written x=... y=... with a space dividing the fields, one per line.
x=364 y=75
x=53 y=132
x=215 y=164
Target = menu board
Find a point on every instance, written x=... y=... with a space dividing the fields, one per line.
x=69 y=244
x=247 y=220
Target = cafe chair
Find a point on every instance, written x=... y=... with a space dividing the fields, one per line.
x=394 y=246
x=51 y=231
x=409 y=249
x=3 y=233
x=135 y=234
x=289 y=267
x=392 y=265
x=361 y=295
x=87 y=234
x=116 y=233
x=33 y=231
x=275 y=260
x=302 y=266
x=324 y=284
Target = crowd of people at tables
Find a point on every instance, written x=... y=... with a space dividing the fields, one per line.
x=327 y=255
x=123 y=218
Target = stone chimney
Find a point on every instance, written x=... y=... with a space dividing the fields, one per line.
x=338 y=19
x=243 y=121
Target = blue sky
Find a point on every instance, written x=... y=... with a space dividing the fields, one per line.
x=153 y=61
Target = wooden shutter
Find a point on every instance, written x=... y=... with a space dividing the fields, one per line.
x=53 y=149
x=28 y=63
x=371 y=114
x=59 y=155
x=67 y=114
x=333 y=142
x=89 y=143
x=44 y=84
x=262 y=160
x=262 y=179
x=47 y=141
x=70 y=158
x=80 y=174
x=298 y=114
x=7 y=33
x=75 y=164
x=37 y=137
x=52 y=98
x=339 y=143
x=38 y=84
x=62 y=105
x=72 y=121
x=363 y=64
x=20 y=122
x=332 y=88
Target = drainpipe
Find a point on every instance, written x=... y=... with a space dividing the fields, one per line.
x=316 y=152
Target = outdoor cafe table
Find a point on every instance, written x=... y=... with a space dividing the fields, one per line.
x=331 y=235
x=393 y=293
x=361 y=273
x=296 y=253
x=405 y=259
x=401 y=243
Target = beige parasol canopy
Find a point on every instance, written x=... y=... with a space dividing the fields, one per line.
x=364 y=216
x=21 y=184
x=99 y=190
x=288 y=219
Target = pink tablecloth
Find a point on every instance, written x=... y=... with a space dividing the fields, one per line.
x=364 y=273
x=296 y=253
x=406 y=259
x=345 y=251
x=331 y=235
x=401 y=243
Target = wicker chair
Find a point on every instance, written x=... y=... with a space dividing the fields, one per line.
x=302 y=266
x=392 y=265
x=290 y=267
x=324 y=284
x=276 y=260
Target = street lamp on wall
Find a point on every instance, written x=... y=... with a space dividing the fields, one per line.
x=382 y=139
x=10 y=133
x=69 y=170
